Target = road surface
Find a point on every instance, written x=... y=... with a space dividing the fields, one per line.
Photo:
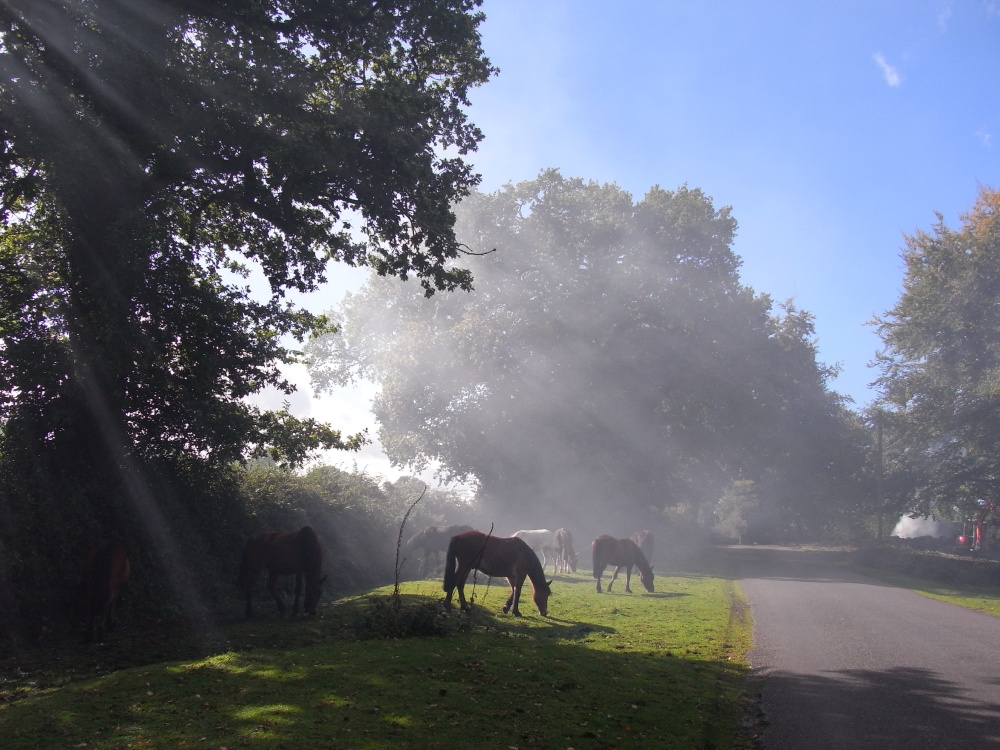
x=851 y=662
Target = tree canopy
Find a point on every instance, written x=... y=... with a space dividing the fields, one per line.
x=940 y=367
x=609 y=357
x=154 y=153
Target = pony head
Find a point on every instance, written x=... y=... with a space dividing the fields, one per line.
x=540 y=596
x=572 y=562
x=647 y=579
x=312 y=595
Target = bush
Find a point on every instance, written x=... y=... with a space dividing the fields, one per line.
x=390 y=617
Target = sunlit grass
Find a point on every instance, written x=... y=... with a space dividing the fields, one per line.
x=983 y=598
x=620 y=670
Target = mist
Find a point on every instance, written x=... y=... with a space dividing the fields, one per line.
x=911 y=528
x=608 y=373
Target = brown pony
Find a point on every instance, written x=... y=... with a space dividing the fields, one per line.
x=295 y=553
x=108 y=568
x=433 y=540
x=565 y=555
x=645 y=541
x=622 y=553
x=509 y=557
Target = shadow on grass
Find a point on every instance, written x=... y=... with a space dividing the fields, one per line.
x=466 y=691
x=308 y=682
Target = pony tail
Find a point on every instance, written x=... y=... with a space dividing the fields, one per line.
x=449 y=567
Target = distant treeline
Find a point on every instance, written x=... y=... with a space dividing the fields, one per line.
x=185 y=539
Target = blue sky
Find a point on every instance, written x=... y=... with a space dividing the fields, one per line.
x=831 y=129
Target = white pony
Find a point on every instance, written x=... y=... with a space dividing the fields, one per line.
x=542 y=541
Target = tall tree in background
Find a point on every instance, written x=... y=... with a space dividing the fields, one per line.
x=153 y=151
x=940 y=369
x=609 y=357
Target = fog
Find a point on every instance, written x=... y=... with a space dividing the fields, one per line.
x=608 y=373
x=911 y=528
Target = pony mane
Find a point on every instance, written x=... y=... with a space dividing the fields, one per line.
x=536 y=574
x=641 y=562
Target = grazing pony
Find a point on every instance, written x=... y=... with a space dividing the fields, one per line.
x=108 y=568
x=509 y=557
x=565 y=554
x=622 y=553
x=543 y=542
x=295 y=553
x=433 y=541
x=645 y=541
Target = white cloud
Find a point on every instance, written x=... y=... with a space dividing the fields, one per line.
x=944 y=16
x=985 y=137
x=889 y=73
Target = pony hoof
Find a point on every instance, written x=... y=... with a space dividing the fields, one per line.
x=505 y=609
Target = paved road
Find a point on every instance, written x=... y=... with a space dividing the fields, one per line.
x=850 y=662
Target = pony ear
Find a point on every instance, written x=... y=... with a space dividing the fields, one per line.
x=650 y=567
x=550 y=582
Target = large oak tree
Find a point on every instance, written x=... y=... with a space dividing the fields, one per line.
x=153 y=152
x=940 y=368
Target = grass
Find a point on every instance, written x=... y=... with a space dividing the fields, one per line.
x=983 y=598
x=618 y=670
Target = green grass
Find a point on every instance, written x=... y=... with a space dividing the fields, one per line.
x=983 y=598
x=662 y=670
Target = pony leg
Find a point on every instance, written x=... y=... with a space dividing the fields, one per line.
x=461 y=575
x=251 y=583
x=298 y=593
x=628 y=578
x=272 y=587
x=516 y=584
x=510 y=597
x=109 y=617
x=614 y=577
x=95 y=628
x=597 y=574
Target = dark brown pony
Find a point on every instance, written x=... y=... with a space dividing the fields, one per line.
x=646 y=542
x=433 y=540
x=108 y=568
x=509 y=557
x=295 y=553
x=565 y=554
x=622 y=553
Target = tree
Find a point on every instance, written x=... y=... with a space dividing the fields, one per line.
x=940 y=368
x=153 y=154
x=609 y=357
x=736 y=505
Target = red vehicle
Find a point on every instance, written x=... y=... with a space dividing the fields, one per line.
x=978 y=540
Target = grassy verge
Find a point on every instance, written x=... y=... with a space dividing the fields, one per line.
x=891 y=566
x=615 y=670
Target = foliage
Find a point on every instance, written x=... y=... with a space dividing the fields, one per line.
x=171 y=173
x=153 y=155
x=940 y=368
x=185 y=565
x=392 y=617
x=734 y=507
x=609 y=359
